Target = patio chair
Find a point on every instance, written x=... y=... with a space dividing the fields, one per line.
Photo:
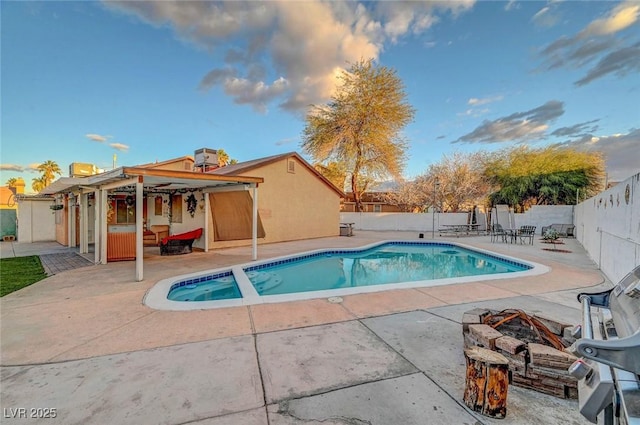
x=498 y=231
x=179 y=244
x=525 y=232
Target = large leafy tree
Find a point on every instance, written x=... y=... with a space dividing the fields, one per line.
x=458 y=182
x=360 y=127
x=334 y=172
x=409 y=196
x=548 y=176
x=461 y=181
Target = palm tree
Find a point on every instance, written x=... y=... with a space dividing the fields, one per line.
x=49 y=169
x=38 y=183
x=11 y=182
x=223 y=158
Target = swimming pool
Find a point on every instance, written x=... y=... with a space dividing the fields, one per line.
x=336 y=272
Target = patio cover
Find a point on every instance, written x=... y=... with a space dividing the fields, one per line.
x=136 y=180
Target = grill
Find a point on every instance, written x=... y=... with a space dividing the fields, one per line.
x=608 y=370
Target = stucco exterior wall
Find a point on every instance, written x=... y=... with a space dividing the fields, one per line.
x=36 y=221
x=419 y=222
x=545 y=215
x=292 y=206
x=608 y=226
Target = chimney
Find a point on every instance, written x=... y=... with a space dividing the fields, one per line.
x=19 y=185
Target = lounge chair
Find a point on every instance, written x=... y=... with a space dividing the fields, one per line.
x=180 y=243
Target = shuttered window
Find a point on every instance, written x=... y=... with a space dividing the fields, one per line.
x=232 y=214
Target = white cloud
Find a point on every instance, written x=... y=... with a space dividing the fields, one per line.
x=96 y=137
x=33 y=167
x=618 y=149
x=599 y=42
x=620 y=62
x=11 y=167
x=520 y=127
x=546 y=17
x=301 y=45
x=511 y=5
x=621 y=17
x=119 y=146
x=476 y=102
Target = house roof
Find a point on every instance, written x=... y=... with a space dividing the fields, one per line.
x=152 y=179
x=243 y=167
x=168 y=161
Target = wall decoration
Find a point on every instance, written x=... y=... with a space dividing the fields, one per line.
x=192 y=204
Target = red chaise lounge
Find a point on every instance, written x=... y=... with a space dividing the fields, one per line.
x=180 y=243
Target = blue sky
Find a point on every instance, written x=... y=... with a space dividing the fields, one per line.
x=149 y=81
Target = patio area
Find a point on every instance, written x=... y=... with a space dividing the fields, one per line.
x=82 y=342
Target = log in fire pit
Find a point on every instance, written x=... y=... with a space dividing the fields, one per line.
x=533 y=345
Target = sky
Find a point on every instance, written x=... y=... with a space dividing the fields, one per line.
x=155 y=80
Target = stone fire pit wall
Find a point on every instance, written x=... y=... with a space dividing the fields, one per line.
x=531 y=365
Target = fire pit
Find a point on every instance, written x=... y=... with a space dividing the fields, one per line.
x=534 y=346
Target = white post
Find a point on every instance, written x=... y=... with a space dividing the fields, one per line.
x=139 y=230
x=83 y=223
x=207 y=214
x=97 y=233
x=70 y=222
x=254 y=225
x=103 y=226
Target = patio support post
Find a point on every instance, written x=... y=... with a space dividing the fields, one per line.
x=254 y=225
x=139 y=230
x=103 y=226
x=207 y=214
x=84 y=240
x=71 y=221
x=96 y=226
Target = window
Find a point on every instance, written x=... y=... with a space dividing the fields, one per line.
x=377 y=208
x=158 y=205
x=291 y=166
x=176 y=208
x=233 y=216
x=125 y=212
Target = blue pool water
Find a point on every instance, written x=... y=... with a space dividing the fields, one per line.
x=392 y=262
x=386 y=263
x=206 y=288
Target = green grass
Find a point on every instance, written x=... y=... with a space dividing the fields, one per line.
x=16 y=273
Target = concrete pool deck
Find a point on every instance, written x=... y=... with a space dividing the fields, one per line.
x=82 y=341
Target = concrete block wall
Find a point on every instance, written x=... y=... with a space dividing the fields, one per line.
x=608 y=227
x=545 y=215
x=419 y=222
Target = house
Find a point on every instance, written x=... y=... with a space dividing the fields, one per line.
x=370 y=201
x=295 y=202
